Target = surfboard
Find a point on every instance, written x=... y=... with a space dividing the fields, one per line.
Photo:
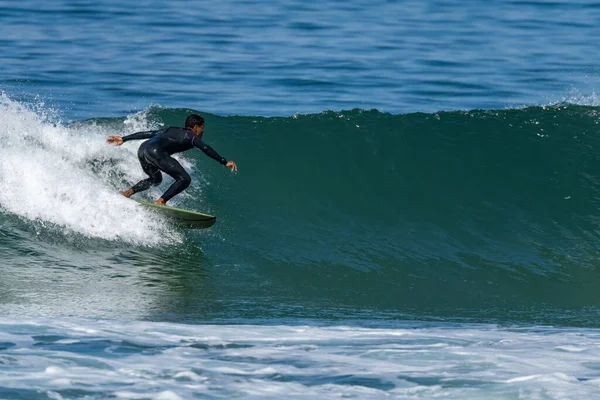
x=181 y=217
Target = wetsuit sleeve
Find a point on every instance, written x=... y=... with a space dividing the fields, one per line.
x=206 y=149
x=141 y=135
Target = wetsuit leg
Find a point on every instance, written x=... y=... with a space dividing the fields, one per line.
x=170 y=166
x=155 y=176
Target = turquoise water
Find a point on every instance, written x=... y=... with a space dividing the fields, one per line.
x=415 y=213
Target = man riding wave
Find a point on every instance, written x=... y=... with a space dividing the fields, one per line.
x=155 y=155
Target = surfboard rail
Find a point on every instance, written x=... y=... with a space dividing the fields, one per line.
x=185 y=218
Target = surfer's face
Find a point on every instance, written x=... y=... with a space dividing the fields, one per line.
x=198 y=130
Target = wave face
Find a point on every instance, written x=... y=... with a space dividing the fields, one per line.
x=485 y=214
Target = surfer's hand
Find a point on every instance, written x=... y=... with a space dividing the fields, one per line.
x=118 y=140
x=232 y=165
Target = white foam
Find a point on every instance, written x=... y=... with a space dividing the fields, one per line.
x=570 y=349
x=476 y=361
x=129 y=395
x=575 y=97
x=54 y=395
x=54 y=371
x=167 y=395
x=68 y=177
x=188 y=376
x=61 y=382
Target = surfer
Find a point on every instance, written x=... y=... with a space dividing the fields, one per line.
x=155 y=155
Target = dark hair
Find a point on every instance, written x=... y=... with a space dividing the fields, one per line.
x=192 y=120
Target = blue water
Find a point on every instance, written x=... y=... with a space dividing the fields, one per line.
x=91 y=59
x=415 y=214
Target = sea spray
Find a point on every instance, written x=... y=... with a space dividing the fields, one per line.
x=70 y=178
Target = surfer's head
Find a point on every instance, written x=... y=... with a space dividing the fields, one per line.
x=195 y=123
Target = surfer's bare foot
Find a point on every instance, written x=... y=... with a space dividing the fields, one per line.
x=160 y=201
x=127 y=193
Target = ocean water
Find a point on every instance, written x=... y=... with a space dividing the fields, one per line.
x=415 y=214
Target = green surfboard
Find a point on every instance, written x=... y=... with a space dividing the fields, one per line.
x=181 y=217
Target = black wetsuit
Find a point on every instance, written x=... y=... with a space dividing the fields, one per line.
x=155 y=156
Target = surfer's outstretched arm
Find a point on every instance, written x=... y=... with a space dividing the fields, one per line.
x=142 y=135
x=118 y=140
x=209 y=151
